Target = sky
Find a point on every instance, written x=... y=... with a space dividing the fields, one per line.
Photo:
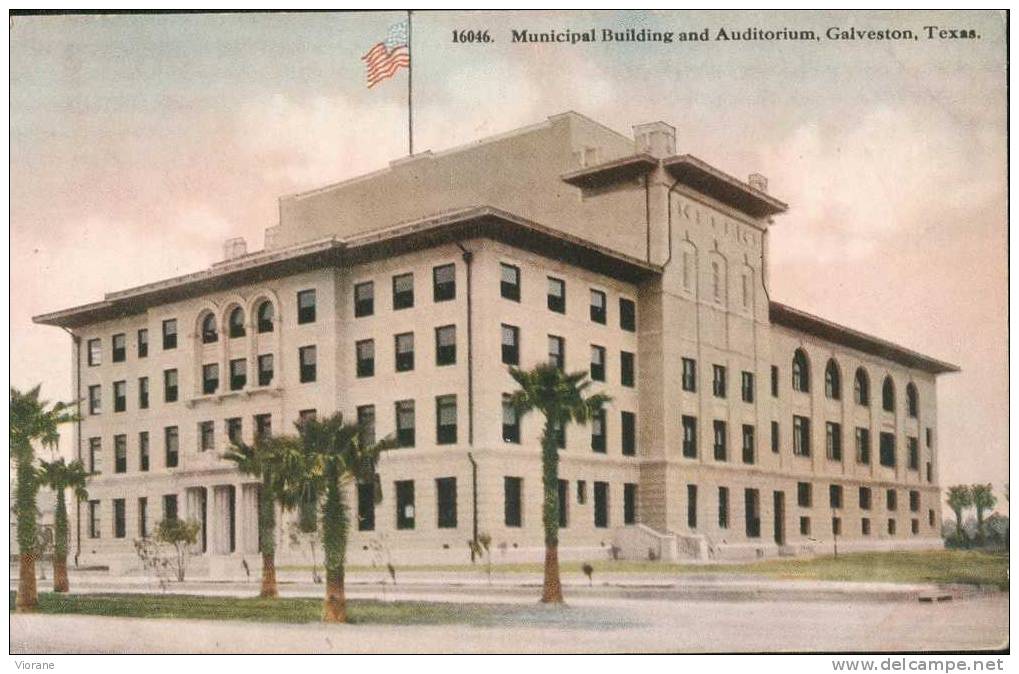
x=139 y=143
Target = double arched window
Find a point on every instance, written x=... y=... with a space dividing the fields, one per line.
x=888 y=394
x=210 y=332
x=801 y=372
x=832 y=381
x=236 y=322
x=861 y=387
x=912 y=400
x=265 y=316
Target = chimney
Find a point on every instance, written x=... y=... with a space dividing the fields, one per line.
x=758 y=182
x=657 y=139
x=234 y=248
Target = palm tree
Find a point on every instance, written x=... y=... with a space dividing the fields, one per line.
x=959 y=498
x=561 y=398
x=60 y=476
x=344 y=455
x=31 y=420
x=983 y=500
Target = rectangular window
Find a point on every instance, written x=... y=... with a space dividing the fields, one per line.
x=749 y=444
x=405 y=423
x=801 y=436
x=629 y=503
x=775 y=437
x=863 y=445
x=563 y=503
x=598 y=432
x=914 y=501
x=865 y=498
x=171 y=442
x=628 y=430
x=774 y=381
x=266 y=369
x=119 y=519
x=119 y=348
x=120 y=453
x=308 y=358
x=752 y=503
x=865 y=526
x=143 y=393
x=143 y=451
x=836 y=526
x=804 y=526
x=93 y=519
x=721 y=449
x=143 y=343
x=404 y=352
x=556 y=295
x=509 y=283
x=929 y=436
x=804 y=495
x=597 y=363
x=914 y=524
x=238 y=374
x=143 y=517
x=557 y=351
x=723 y=507
x=365 y=358
x=914 y=453
x=119 y=396
x=510 y=421
x=581 y=492
x=445 y=345
x=626 y=369
x=444 y=283
x=304 y=416
x=206 y=436
x=445 y=420
x=627 y=315
x=888 y=450
x=169 y=334
x=512 y=500
x=689 y=374
x=170 y=386
x=691 y=506
x=510 y=345
x=366 y=506
x=718 y=382
x=835 y=496
x=891 y=527
x=170 y=507
x=364 y=300
x=930 y=517
x=234 y=430
x=597 y=306
x=305 y=307
x=403 y=291
x=263 y=427
x=366 y=420
x=891 y=499
x=404 y=504
x=833 y=440
x=95 y=399
x=930 y=472
x=601 y=505
x=210 y=378
x=689 y=437
x=445 y=492
x=95 y=352
x=748 y=387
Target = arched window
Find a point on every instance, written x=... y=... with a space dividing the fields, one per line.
x=832 y=380
x=209 y=331
x=801 y=372
x=716 y=281
x=265 y=316
x=888 y=395
x=912 y=400
x=861 y=387
x=236 y=322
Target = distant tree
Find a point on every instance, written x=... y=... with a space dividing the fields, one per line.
x=181 y=534
x=983 y=500
x=60 y=476
x=959 y=498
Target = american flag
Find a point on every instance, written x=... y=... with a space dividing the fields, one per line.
x=385 y=58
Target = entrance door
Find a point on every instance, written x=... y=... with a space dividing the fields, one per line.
x=780 y=518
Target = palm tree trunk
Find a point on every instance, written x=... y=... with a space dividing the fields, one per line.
x=552 y=589
x=60 y=581
x=28 y=596
x=334 y=545
x=269 y=587
x=552 y=592
x=335 y=608
x=267 y=536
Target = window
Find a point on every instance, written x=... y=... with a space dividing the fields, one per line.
x=563 y=503
x=366 y=506
x=721 y=450
x=403 y=291
x=119 y=396
x=581 y=492
x=888 y=450
x=628 y=430
x=804 y=526
x=365 y=358
x=308 y=358
x=143 y=517
x=752 y=502
x=445 y=420
x=95 y=352
x=629 y=503
x=143 y=451
x=716 y=281
x=263 y=427
x=861 y=387
x=509 y=284
x=723 y=507
x=914 y=501
x=510 y=421
x=93 y=519
x=832 y=381
x=445 y=492
x=929 y=436
x=304 y=416
x=235 y=323
x=804 y=494
x=265 y=315
x=210 y=333
x=143 y=393
x=445 y=345
x=119 y=348
x=912 y=400
x=863 y=445
x=627 y=315
x=774 y=381
x=914 y=526
x=206 y=436
x=930 y=472
x=404 y=504
x=891 y=500
x=364 y=299
x=95 y=399
x=888 y=395
x=234 y=430
x=171 y=442
x=512 y=498
x=557 y=351
x=691 y=506
x=718 y=381
x=366 y=420
x=265 y=369
x=689 y=374
x=238 y=374
x=170 y=334
x=914 y=453
x=891 y=527
x=689 y=437
x=305 y=307
x=598 y=306
x=601 y=505
x=865 y=526
x=405 y=423
x=748 y=387
x=170 y=386
x=688 y=264
x=444 y=284
x=598 y=432
x=510 y=345
x=626 y=369
x=930 y=517
x=597 y=363
x=801 y=372
x=120 y=453
x=835 y=496
x=836 y=526
x=749 y=445
x=143 y=343
x=775 y=439
x=404 y=352
x=556 y=295
x=210 y=378
x=801 y=436
x=745 y=289
x=833 y=441
x=170 y=507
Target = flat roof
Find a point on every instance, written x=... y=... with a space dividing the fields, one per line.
x=784 y=315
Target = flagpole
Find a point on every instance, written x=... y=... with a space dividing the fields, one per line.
x=410 y=88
